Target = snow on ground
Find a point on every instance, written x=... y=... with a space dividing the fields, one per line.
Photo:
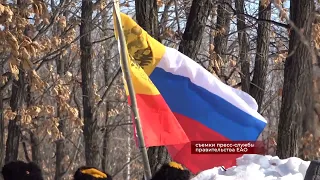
x=259 y=167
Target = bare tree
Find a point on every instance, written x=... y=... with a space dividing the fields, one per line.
x=87 y=74
x=196 y=23
x=259 y=79
x=35 y=142
x=221 y=39
x=2 y=128
x=16 y=100
x=61 y=63
x=147 y=16
x=297 y=100
x=243 y=46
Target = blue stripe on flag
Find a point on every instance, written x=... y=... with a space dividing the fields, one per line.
x=197 y=103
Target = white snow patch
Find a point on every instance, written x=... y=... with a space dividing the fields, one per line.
x=259 y=167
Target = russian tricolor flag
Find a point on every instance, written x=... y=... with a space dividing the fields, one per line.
x=205 y=108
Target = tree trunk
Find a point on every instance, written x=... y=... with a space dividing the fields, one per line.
x=314 y=126
x=105 y=160
x=35 y=149
x=223 y=24
x=105 y=148
x=127 y=171
x=243 y=46
x=60 y=143
x=147 y=16
x=90 y=124
x=2 y=144
x=61 y=153
x=297 y=102
x=261 y=61
x=221 y=39
x=196 y=23
x=16 y=101
x=157 y=157
x=34 y=139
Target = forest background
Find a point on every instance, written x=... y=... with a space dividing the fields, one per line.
x=62 y=101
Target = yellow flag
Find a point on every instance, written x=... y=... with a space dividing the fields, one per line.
x=141 y=81
x=158 y=122
x=145 y=50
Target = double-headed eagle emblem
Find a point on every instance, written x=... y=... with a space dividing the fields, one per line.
x=142 y=55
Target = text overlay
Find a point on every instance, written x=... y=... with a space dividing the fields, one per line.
x=227 y=147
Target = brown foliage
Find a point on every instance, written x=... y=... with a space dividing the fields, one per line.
x=309 y=147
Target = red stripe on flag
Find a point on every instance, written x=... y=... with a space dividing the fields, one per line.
x=160 y=126
x=199 y=162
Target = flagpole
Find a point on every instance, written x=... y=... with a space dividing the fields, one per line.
x=134 y=106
